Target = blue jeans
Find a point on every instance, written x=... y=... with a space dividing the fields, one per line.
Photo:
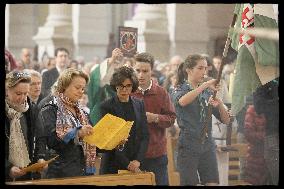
x=196 y=162
x=159 y=166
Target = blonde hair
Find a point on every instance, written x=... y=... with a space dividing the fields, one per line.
x=33 y=73
x=66 y=77
x=15 y=77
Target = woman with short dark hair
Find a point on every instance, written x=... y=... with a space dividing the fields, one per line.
x=124 y=81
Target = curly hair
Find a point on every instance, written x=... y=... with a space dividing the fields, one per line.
x=66 y=77
x=121 y=74
x=146 y=58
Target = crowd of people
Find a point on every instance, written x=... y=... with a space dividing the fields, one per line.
x=50 y=107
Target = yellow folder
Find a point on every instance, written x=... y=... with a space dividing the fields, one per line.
x=109 y=132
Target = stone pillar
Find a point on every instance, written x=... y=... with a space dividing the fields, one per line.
x=153 y=35
x=189 y=29
x=56 y=32
x=20 y=25
x=91 y=28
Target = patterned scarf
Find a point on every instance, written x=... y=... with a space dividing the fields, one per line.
x=18 y=151
x=66 y=121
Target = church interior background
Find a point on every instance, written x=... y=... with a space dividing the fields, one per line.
x=164 y=30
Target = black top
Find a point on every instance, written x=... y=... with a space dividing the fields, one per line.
x=48 y=79
x=137 y=144
x=266 y=101
x=71 y=160
x=129 y=115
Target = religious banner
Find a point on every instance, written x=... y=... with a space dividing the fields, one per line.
x=128 y=40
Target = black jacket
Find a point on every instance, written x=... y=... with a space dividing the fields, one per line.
x=71 y=160
x=35 y=136
x=48 y=79
x=114 y=160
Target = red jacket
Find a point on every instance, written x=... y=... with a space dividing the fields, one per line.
x=254 y=130
x=157 y=101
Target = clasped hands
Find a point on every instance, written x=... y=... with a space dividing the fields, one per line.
x=151 y=117
x=133 y=166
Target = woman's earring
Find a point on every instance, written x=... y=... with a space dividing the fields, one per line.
x=116 y=88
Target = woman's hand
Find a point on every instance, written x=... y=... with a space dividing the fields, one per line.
x=120 y=146
x=85 y=131
x=211 y=84
x=16 y=172
x=214 y=102
x=134 y=166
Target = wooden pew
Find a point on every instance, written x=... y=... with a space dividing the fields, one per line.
x=173 y=175
x=234 y=164
x=146 y=178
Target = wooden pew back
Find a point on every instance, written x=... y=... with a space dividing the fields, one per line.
x=147 y=178
x=173 y=175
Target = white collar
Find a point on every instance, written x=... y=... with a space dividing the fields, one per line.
x=142 y=90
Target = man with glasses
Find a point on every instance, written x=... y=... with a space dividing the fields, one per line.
x=160 y=115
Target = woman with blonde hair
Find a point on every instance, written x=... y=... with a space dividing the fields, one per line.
x=24 y=143
x=65 y=125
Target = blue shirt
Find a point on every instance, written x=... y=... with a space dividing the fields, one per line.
x=191 y=117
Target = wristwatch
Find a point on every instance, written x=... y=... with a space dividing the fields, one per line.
x=157 y=119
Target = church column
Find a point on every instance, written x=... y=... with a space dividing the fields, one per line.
x=189 y=29
x=56 y=32
x=19 y=28
x=153 y=35
x=91 y=28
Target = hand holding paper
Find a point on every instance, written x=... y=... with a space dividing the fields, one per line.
x=109 y=132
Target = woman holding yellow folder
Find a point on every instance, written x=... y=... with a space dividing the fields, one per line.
x=66 y=124
x=130 y=157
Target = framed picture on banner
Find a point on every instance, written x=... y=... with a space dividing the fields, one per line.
x=128 y=40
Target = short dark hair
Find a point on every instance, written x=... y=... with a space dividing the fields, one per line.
x=146 y=58
x=122 y=74
x=60 y=49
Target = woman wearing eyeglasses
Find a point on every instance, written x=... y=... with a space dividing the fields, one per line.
x=23 y=142
x=124 y=81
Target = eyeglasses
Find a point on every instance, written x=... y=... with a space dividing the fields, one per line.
x=128 y=86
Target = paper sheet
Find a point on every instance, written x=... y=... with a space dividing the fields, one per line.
x=109 y=132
